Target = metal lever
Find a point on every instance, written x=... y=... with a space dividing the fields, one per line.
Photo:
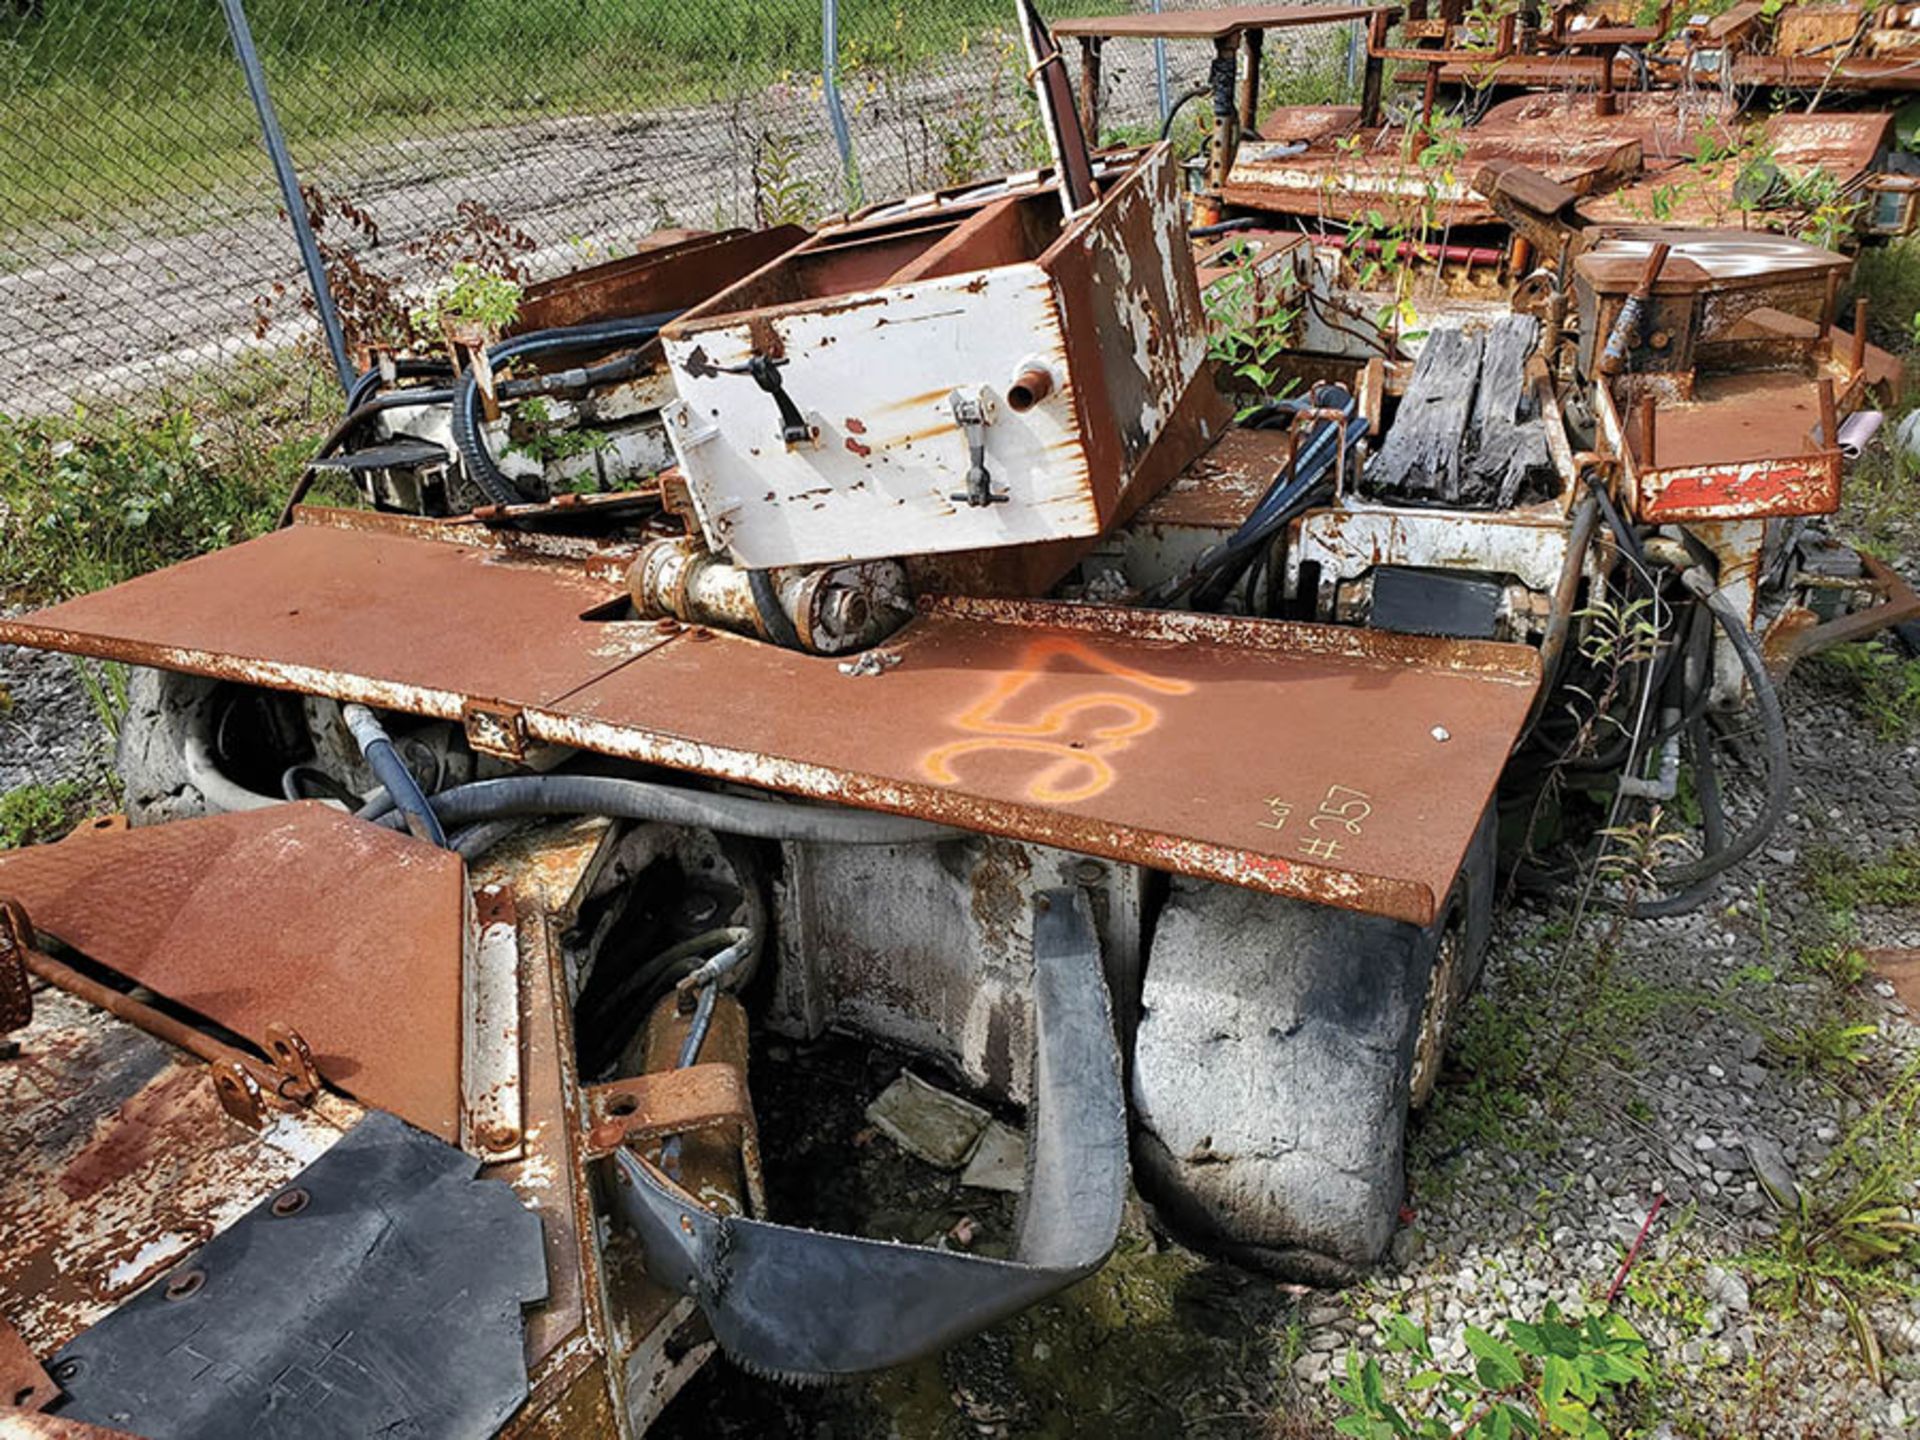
x=970 y=414
x=765 y=370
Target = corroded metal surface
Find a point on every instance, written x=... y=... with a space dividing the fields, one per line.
x=1171 y=741
x=363 y=960
x=1338 y=765
x=121 y=1161
x=1227 y=21
x=501 y=629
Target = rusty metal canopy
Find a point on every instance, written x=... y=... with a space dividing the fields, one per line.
x=350 y=934
x=1212 y=24
x=1340 y=765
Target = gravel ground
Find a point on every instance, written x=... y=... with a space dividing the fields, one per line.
x=48 y=727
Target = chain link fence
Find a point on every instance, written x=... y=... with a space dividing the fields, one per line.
x=142 y=238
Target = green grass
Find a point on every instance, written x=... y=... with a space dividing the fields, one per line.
x=36 y=813
x=91 y=498
x=108 y=105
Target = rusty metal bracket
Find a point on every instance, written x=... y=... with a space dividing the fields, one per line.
x=495 y=729
x=666 y=1102
x=246 y=1086
x=1798 y=633
x=24 y=1382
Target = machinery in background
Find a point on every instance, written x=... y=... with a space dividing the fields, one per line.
x=990 y=674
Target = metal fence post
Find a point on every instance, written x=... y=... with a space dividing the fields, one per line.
x=830 y=90
x=289 y=179
x=1160 y=74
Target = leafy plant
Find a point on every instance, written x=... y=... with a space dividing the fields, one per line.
x=1555 y=1377
x=1247 y=334
x=473 y=296
x=781 y=194
x=371 y=298
x=36 y=813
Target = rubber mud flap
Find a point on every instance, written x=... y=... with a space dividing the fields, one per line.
x=380 y=1294
x=806 y=1305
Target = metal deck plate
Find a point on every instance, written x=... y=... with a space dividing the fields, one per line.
x=351 y=934
x=1339 y=765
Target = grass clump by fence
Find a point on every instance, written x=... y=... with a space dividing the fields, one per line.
x=92 y=498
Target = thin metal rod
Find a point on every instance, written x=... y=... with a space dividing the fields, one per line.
x=830 y=92
x=290 y=196
x=1160 y=88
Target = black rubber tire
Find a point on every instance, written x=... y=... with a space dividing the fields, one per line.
x=1273 y=1066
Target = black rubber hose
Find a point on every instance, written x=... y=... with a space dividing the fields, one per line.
x=412 y=812
x=468 y=435
x=773 y=615
x=1697 y=873
x=1199 y=92
x=642 y=800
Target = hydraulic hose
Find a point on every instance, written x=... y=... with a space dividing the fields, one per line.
x=468 y=433
x=1696 y=874
x=376 y=746
x=642 y=800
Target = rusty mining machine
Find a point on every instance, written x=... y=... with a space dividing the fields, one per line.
x=942 y=656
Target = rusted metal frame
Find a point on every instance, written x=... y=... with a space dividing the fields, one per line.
x=1813 y=475
x=1373 y=74
x=243 y=1082
x=1253 y=42
x=1180 y=627
x=596 y=558
x=1090 y=46
x=491 y=1117
x=1787 y=643
x=569 y=1336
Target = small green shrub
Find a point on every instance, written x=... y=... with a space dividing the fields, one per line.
x=35 y=813
x=89 y=500
x=1557 y=1377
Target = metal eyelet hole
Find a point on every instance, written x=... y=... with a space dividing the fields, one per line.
x=186 y=1284
x=290 y=1202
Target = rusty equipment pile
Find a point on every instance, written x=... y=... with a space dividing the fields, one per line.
x=937 y=644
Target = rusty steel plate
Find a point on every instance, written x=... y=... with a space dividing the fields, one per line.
x=120 y=1162
x=494 y=626
x=1302 y=760
x=350 y=934
x=1343 y=766
x=1218 y=24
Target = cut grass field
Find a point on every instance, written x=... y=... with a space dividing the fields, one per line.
x=114 y=105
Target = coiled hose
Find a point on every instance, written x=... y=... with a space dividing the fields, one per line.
x=517 y=795
x=1699 y=877
x=468 y=433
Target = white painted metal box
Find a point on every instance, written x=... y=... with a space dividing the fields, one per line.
x=920 y=344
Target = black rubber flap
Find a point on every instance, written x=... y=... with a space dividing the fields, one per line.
x=806 y=1305
x=385 y=1299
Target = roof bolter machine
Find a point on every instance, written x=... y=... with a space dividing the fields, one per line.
x=943 y=657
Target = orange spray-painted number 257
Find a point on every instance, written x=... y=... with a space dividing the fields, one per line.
x=1072 y=769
